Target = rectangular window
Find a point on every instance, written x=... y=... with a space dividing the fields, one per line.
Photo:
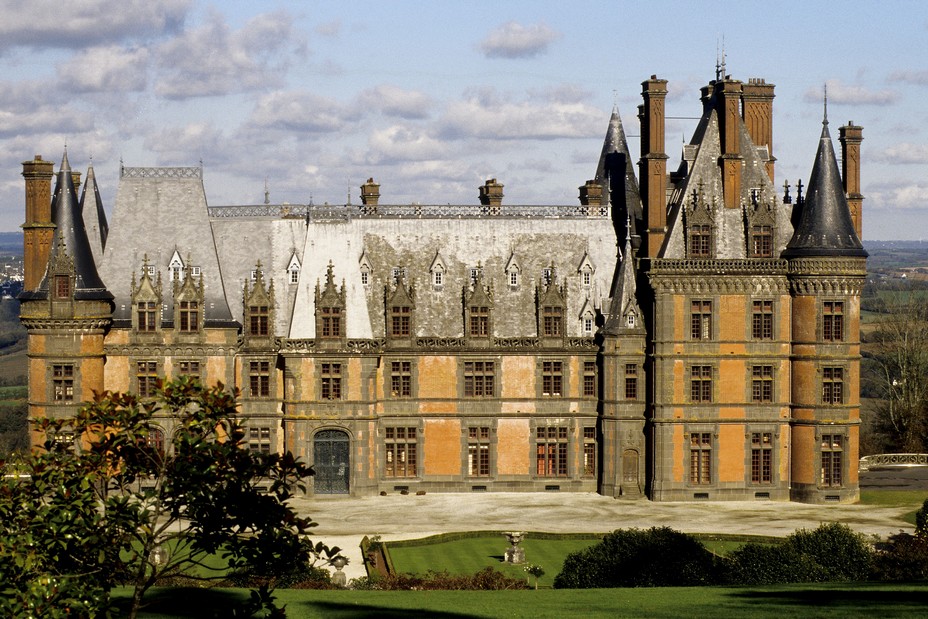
x=401 y=379
x=399 y=320
x=700 y=241
x=478 y=451
x=631 y=381
x=63 y=382
x=761 y=241
x=62 y=286
x=552 y=378
x=513 y=278
x=761 y=457
x=259 y=439
x=258 y=319
x=701 y=383
x=189 y=316
x=331 y=381
x=437 y=278
x=700 y=458
x=587 y=278
x=701 y=320
x=479 y=379
x=589 y=451
x=832 y=385
x=479 y=321
x=331 y=322
x=762 y=383
x=762 y=320
x=551 y=451
x=365 y=277
x=147 y=315
x=833 y=321
x=400 y=452
x=294 y=276
x=552 y=321
x=259 y=378
x=832 y=459
x=189 y=368
x=589 y=379
x=147 y=375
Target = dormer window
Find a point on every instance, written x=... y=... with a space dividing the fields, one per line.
x=365 y=276
x=151 y=270
x=587 y=324
x=438 y=279
x=761 y=241
x=437 y=270
x=62 y=286
x=547 y=276
x=700 y=241
x=331 y=322
x=175 y=268
x=293 y=269
x=586 y=278
x=513 y=279
x=630 y=321
x=189 y=316
x=294 y=276
x=258 y=319
x=147 y=315
x=474 y=274
x=195 y=271
x=398 y=272
x=254 y=274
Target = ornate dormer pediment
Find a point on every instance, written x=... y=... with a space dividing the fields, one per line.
x=330 y=311
x=330 y=295
x=478 y=311
x=699 y=224
x=551 y=301
x=760 y=224
x=258 y=300
x=189 y=306
x=146 y=298
x=400 y=305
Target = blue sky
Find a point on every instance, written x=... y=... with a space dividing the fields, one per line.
x=432 y=98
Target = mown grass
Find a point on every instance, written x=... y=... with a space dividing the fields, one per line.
x=835 y=601
x=896 y=498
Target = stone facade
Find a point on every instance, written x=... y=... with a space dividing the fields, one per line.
x=674 y=343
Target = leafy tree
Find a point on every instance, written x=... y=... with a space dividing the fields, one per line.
x=104 y=503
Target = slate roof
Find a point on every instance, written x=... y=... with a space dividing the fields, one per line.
x=615 y=142
x=71 y=238
x=93 y=215
x=825 y=227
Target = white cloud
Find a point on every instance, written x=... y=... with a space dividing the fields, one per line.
x=897 y=195
x=301 y=111
x=394 y=101
x=903 y=153
x=853 y=94
x=513 y=40
x=180 y=145
x=214 y=60
x=106 y=69
x=910 y=77
x=486 y=115
x=398 y=143
x=329 y=29
x=51 y=23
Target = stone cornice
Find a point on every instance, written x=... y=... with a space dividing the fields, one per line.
x=738 y=266
x=819 y=285
x=175 y=350
x=706 y=283
x=825 y=266
x=51 y=325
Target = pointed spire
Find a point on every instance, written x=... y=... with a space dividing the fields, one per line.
x=615 y=142
x=94 y=216
x=824 y=225
x=70 y=240
x=624 y=295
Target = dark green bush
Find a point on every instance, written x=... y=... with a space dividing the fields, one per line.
x=903 y=557
x=921 y=520
x=486 y=579
x=843 y=554
x=765 y=564
x=298 y=577
x=655 y=557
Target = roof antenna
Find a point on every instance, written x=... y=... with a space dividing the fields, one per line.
x=718 y=65
x=724 y=70
x=348 y=180
x=825 y=87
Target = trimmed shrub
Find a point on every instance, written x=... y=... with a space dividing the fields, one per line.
x=765 y=564
x=921 y=520
x=902 y=557
x=843 y=554
x=655 y=557
x=486 y=579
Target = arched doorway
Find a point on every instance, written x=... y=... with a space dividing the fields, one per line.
x=331 y=462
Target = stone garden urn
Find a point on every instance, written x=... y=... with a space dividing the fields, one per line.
x=515 y=553
x=339 y=578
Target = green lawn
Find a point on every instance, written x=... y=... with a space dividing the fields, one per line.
x=896 y=498
x=827 y=601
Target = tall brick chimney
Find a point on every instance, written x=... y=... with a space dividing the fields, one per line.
x=491 y=194
x=592 y=194
x=370 y=194
x=757 y=112
x=850 y=136
x=728 y=98
x=38 y=229
x=652 y=169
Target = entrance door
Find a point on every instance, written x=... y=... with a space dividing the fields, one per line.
x=330 y=448
x=630 y=467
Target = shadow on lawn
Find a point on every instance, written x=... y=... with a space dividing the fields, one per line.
x=860 y=596
x=334 y=609
x=190 y=602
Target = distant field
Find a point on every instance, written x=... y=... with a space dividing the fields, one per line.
x=14 y=365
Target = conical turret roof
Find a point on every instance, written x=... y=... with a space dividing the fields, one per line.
x=615 y=142
x=825 y=227
x=71 y=239
x=624 y=296
x=93 y=215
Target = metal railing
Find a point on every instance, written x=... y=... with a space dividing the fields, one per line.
x=878 y=460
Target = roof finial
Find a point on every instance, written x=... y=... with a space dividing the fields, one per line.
x=267 y=194
x=825 y=87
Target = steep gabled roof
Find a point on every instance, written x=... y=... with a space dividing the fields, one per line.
x=624 y=297
x=70 y=240
x=825 y=227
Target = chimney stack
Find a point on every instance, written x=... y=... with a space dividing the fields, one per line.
x=591 y=194
x=757 y=112
x=728 y=98
x=370 y=194
x=491 y=194
x=653 y=165
x=38 y=229
x=850 y=136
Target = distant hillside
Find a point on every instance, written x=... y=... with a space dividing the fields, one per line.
x=11 y=243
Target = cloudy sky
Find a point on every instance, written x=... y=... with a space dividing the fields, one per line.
x=432 y=98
